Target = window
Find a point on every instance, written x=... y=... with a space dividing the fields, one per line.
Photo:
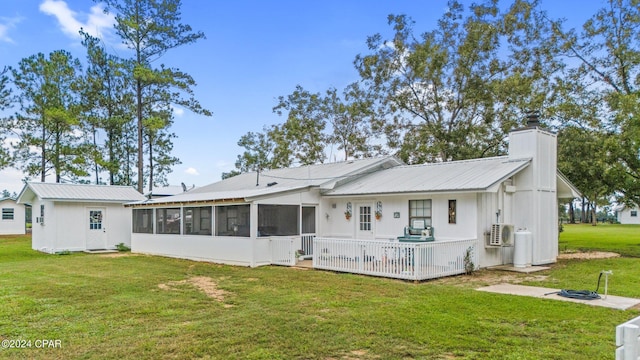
x=7 y=213
x=634 y=213
x=420 y=210
x=278 y=220
x=197 y=220
x=168 y=221
x=452 y=211
x=365 y=218
x=143 y=221
x=232 y=220
x=95 y=219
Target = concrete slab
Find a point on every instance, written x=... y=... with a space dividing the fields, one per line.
x=526 y=270
x=101 y=251
x=614 y=302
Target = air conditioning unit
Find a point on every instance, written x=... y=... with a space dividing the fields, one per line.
x=501 y=235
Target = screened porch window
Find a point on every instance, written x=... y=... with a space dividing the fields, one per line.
x=278 y=220
x=197 y=220
x=420 y=210
x=168 y=221
x=142 y=221
x=232 y=220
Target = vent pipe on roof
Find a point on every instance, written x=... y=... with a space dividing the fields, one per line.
x=533 y=117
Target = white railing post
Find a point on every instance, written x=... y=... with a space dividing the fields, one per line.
x=631 y=333
x=628 y=340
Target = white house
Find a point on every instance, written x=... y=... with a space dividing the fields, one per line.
x=78 y=217
x=13 y=217
x=627 y=215
x=352 y=215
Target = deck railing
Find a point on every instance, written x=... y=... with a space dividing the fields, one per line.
x=393 y=259
x=307 y=243
x=628 y=340
x=283 y=250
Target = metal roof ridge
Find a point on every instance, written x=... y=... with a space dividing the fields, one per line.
x=506 y=157
x=37 y=183
x=323 y=164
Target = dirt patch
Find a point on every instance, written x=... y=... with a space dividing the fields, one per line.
x=203 y=283
x=117 y=255
x=493 y=277
x=588 y=255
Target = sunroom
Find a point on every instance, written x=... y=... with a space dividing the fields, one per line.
x=223 y=231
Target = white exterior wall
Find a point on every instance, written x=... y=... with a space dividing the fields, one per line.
x=488 y=206
x=624 y=216
x=389 y=227
x=535 y=199
x=42 y=233
x=66 y=224
x=16 y=226
x=242 y=251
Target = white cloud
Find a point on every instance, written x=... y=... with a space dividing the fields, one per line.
x=5 y=25
x=177 y=111
x=11 y=179
x=192 y=171
x=97 y=22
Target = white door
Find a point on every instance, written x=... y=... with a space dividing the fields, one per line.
x=96 y=232
x=364 y=221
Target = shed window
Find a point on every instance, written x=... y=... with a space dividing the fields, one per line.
x=168 y=221
x=143 y=221
x=232 y=220
x=634 y=213
x=452 y=211
x=420 y=210
x=95 y=219
x=197 y=220
x=7 y=213
x=278 y=220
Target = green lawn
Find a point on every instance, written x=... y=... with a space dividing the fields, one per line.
x=140 y=307
x=623 y=239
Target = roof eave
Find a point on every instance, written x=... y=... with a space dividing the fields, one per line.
x=186 y=202
x=572 y=192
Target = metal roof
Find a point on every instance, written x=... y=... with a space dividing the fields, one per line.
x=247 y=186
x=465 y=175
x=78 y=192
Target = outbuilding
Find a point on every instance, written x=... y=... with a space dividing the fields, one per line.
x=627 y=215
x=79 y=217
x=13 y=217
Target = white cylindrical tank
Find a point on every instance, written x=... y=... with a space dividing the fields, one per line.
x=522 y=248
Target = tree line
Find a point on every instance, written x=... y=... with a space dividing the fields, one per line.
x=111 y=116
x=454 y=93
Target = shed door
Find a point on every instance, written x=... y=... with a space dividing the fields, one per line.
x=96 y=232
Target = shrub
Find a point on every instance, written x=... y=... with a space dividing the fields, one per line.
x=122 y=247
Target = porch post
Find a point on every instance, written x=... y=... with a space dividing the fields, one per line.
x=253 y=231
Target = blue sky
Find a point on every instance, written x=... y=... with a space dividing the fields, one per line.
x=254 y=51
